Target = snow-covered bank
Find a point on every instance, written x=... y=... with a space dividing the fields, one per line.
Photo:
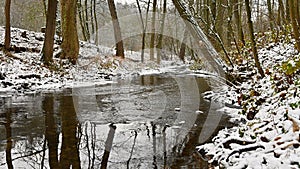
x=266 y=134
x=24 y=72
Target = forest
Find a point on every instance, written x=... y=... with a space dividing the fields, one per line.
x=149 y=84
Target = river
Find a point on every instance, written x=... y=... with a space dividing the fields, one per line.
x=150 y=121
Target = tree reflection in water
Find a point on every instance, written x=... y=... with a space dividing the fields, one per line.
x=51 y=132
x=8 y=139
x=69 y=155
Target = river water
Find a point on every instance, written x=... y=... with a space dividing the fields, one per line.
x=152 y=121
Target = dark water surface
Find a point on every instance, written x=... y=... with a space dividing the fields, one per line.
x=144 y=122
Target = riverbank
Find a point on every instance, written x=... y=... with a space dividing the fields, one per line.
x=266 y=134
x=23 y=72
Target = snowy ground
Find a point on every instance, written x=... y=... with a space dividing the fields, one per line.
x=267 y=127
x=266 y=134
x=96 y=66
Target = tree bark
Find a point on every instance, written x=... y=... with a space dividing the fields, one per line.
x=160 y=37
x=144 y=27
x=50 y=32
x=238 y=21
x=209 y=53
x=152 y=40
x=117 y=29
x=7 y=25
x=270 y=14
x=252 y=38
x=96 y=23
x=295 y=25
x=183 y=46
x=82 y=20
x=70 y=42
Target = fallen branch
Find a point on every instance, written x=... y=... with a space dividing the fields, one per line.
x=239 y=151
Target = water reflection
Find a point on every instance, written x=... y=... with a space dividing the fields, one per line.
x=8 y=138
x=49 y=131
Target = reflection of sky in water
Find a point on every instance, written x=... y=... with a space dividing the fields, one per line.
x=132 y=106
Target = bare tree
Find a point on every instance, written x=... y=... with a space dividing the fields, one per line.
x=70 y=42
x=252 y=38
x=117 y=29
x=160 y=37
x=144 y=25
x=152 y=40
x=7 y=25
x=47 y=52
x=238 y=21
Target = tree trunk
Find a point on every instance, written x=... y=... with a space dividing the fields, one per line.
x=82 y=20
x=117 y=29
x=209 y=53
x=183 y=46
x=270 y=14
x=144 y=27
x=281 y=13
x=70 y=42
x=152 y=40
x=50 y=32
x=7 y=25
x=238 y=21
x=252 y=38
x=288 y=15
x=87 y=20
x=160 y=38
x=295 y=26
x=96 y=23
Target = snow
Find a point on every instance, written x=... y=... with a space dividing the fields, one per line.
x=271 y=138
x=265 y=111
x=97 y=65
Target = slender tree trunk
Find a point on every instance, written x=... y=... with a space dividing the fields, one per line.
x=295 y=26
x=160 y=37
x=87 y=20
x=144 y=27
x=252 y=38
x=281 y=13
x=7 y=25
x=96 y=23
x=45 y=7
x=82 y=20
x=152 y=40
x=117 y=29
x=297 y=3
x=70 y=42
x=287 y=9
x=270 y=14
x=92 y=18
x=47 y=54
x=229 y=32
x=183 y=46
x=238 y=21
